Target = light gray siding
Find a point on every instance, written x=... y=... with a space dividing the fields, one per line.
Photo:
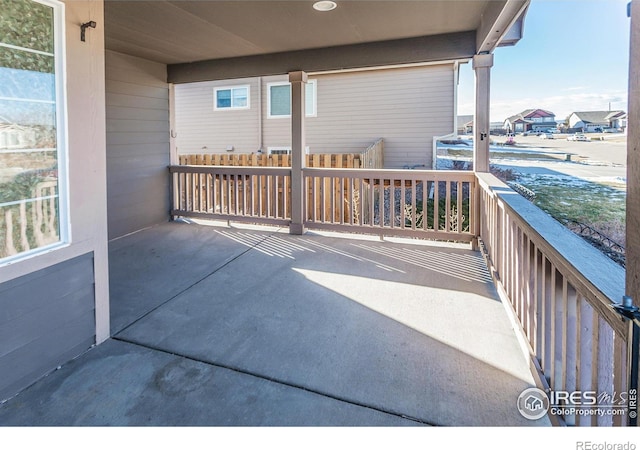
x=46 y=319
x=198 y=125
x=137 y=109
x=406 y=107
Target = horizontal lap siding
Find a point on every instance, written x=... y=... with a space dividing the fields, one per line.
x=198 y=125
x=46 y=318
x=406 y=107
x=137 y=143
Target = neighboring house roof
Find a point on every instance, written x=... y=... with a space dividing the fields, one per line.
x=616 y=115
x=596 y=116
x=528 y=114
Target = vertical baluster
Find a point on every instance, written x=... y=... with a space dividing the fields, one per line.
x=571 y=346
x=620 y=376
x=315 y=194
x=561 y=368
x=425 y=204
x=403 y=202
x=552 y=313
x=261 y=206
x=343 y=197
x=176 y=192
x=208 y=206
x=269 y=188
x=286 y=198
x=414 y=206
x=436 y=205
x=605 y=382
x=274 y=196
x=229 y=192
x=544 y=316
x=332 y=200
x=251 y=193
x=537 y=301
x=218 y=189
x=595 y=347
x=525 y=280
x=447 y=217
x=380 y=202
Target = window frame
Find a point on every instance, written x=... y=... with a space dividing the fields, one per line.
x=231 y=89
x=62 y=145
x=314 y=101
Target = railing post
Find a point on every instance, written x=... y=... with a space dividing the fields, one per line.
x=482 y=67
x=298 y=81
x=628 y=310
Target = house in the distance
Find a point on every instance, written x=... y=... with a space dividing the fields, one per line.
x=465 y=124
x=590 y=121
x=530 y=120
x=244 y=115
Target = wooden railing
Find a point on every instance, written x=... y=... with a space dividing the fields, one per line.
x=428 y=204
x=561 y=291
x=249 y=194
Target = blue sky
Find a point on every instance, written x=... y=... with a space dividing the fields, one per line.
x=573 y=57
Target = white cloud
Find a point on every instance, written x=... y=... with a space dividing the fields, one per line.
x=561 y=105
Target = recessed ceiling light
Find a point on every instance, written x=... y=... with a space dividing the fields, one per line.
x=324 y=5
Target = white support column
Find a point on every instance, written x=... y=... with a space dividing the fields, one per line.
x=482 y=66
x=298 y=81
x=633 y=160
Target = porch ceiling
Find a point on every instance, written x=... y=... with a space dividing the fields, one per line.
x=175 y=32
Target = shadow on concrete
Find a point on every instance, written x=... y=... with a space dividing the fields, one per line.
x=226 y=327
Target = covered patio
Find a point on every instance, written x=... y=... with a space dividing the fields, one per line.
x=136 y=320
x=221 y=326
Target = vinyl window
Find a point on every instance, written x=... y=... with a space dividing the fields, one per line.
x=33 y=147
x=279 y=99
x=229 y=98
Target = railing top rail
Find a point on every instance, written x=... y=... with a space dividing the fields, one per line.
x=233 y=170
x=588 y=269
x=439 y=175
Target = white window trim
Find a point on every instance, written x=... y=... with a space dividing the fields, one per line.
x=288 y=116
x=62 y=131
x=227 y=88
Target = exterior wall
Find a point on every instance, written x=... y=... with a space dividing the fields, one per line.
x=35 y=335
x=137 y=112
x=201 y=129
x=41 y=281
x=406 y=107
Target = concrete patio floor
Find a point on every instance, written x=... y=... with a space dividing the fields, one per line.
x=221 y=326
